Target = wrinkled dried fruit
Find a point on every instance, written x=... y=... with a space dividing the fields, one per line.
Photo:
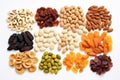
x=101 y=64
x=11 y=39
x=22 y=42
x=27 y=40
x=46 y=17
x=20 y=37
x=29 y=35
x=26 y=48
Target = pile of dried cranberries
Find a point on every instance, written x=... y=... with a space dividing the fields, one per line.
x=46 y=17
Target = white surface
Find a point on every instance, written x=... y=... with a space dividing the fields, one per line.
x=7 y=72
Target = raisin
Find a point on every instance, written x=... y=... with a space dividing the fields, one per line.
x=101 y=64
x=46 y=17
x=29 y=35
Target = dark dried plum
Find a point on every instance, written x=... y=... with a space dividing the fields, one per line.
x=29 y=42
x=9 y=48
x=26 y=48
x=22 y=42
x=20 y=37
x=12 y=39
x=29 y=35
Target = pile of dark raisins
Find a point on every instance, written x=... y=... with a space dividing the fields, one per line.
x=46 y=17
x=22 y=42
x=101 y=64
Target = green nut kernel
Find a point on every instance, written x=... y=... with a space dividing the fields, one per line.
x=52 y=62
x=45 y=63
x=53 y=56
x=41 y=64
x=40 y=67
x=56 y=71
x=50 y=54
x=58 y=56
x=48 y=60
x=46 y=57
x=46 y=71
x=43 y=60
x=56 y=60
x=52 y=71
x=54 y=67
x=49 y=65
x=59 y=67
x=59 y=63
x=55 y=64
x=45 y=53
x=43 y=57
x=49 y=57
x=45 y=67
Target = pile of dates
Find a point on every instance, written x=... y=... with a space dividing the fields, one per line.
x=22 y=42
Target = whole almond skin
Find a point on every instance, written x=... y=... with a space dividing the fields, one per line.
x=98 y=18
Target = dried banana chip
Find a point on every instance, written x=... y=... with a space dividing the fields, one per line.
x=11 y=62
x=18 y=66
x=12 y=56
x=32 y=68
x=31 y=54
x=34 y=60
x=20 y=71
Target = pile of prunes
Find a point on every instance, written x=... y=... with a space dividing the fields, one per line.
x=22 y=42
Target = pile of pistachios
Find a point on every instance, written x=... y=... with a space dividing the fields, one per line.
x=50 y=63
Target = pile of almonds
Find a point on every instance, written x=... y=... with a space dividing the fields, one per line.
x=69 y=41
x=98 y=18
x=71 y=18
x=20 y=20
x=46 y=38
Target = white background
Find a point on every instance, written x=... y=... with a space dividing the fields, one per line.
x=7 y=72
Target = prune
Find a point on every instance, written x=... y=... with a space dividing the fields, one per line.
x=16 y=46
x=12 y=39
x=29 y=35
x=26 y=48
x=9 y=48
x=27 y=40
x=22 y=42
x=46 y=17
x=101 y=64
x=20 y=37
